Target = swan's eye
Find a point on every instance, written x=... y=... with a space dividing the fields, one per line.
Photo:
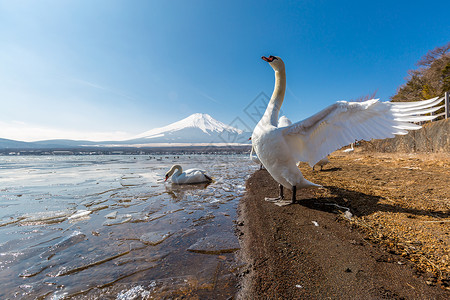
x=272 y=58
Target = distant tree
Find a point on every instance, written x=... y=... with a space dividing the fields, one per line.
x=365 y=98
x=431 y=79
x=433 y=55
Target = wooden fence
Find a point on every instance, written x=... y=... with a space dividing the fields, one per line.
x=446 y=106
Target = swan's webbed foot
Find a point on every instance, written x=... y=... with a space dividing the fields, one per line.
x=283 y=203
x=280 y=201
x=273 y=199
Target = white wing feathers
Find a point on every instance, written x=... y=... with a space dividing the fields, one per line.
x=341 y=123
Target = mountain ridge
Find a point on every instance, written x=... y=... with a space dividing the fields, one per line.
x=198 y=128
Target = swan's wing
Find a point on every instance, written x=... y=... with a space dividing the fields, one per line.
x=193 y=172
x=193 y=176
x=341 y=123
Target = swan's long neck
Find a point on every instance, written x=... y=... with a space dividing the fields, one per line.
x=176 y=168
x=271 y=114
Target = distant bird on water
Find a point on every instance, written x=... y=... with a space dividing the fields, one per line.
x=310 y=140
x=190 y=176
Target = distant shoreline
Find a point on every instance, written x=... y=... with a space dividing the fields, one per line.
x=121 y=150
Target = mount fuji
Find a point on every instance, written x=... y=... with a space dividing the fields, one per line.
x=197 y=128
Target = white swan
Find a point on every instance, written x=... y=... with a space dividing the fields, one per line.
x=187 y=177
x=349 y=149
x=310 y=140
x=322 y=162
x=255 y=158
x=282 y=122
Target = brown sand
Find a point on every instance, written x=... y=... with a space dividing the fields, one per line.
x=395 y=245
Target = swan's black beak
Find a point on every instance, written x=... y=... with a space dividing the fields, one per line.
x=268 y=59
x=167 y=177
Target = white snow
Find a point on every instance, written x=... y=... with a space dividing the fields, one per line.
x=201 y=121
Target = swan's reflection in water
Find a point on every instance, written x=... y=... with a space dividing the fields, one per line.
x=179 y=191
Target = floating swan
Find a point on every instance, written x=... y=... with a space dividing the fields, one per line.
x=349 y=149
x=187 y=177
x=310 y=140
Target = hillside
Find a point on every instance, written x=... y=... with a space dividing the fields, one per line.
x=432 y=137
x=431 y=79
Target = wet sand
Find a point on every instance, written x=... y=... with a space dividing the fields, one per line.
x=394 y=245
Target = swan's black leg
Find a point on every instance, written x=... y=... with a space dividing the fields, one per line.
x=294 y=194
x=279 y=198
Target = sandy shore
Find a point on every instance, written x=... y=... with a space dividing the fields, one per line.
x=394 y=245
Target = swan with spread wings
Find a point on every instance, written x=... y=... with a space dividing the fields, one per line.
x=279 y=148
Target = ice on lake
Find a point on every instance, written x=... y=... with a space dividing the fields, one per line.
x=97 y=225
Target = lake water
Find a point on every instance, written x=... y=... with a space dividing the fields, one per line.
x=109 y=227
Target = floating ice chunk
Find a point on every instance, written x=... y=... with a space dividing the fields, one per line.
x=26 y=287
x=35 y=269
x=47 y=217
x=136 y=246
x=315 y=223
x=80 y=214
x=67 y=242
x=68 y=265
x=155 y=237
x=157 y=215
x=120 y=219
x=215 y=244
x=111 y=215
x=99 y=207
x=139 y=217
x=57 y=296
x=137 y=292
x=8 y=222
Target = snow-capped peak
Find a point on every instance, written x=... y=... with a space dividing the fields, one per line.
x=204 y=122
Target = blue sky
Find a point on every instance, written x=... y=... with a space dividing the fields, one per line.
x=108 y=70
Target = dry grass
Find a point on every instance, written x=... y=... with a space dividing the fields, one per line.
x=401 y=201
